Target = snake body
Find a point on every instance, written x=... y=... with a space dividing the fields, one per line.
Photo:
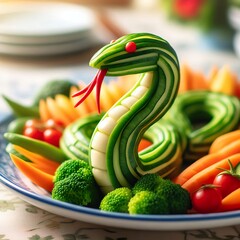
x=113 y=147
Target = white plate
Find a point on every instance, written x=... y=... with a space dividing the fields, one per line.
x=29 y=22
x=48 y=49
x=12 y=179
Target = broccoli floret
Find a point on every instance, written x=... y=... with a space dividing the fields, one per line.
x=52 y=88
x=178 y=198
x=68 y=167
x=117 y=200
x=75 y=183
x=148 y=182
x=146 y=202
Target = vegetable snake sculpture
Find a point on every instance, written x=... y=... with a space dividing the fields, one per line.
x=114 y=144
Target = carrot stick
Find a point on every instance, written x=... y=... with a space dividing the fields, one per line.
x=206 y=161
x=231 y=202
x=37 y=176
x=144 y=143
x=198 y=81
x=207 y=175
x=44 y=111
x=185 y=78
x=223 y=140
x=38 y=161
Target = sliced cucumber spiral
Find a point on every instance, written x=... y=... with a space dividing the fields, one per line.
x=76 y=137
x=203 y=116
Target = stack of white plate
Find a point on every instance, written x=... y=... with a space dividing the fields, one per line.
x=40 y=29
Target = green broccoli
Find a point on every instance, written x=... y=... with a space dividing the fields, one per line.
x=68 y=167
x=117 y=200
x=52 y=88
x=147 y=202
x=176 y=197
x=75 y=183
x=148 y=182
x=151 y=194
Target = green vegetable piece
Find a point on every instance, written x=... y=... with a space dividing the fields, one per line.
x=117 y=200
x=20 y=110
x=76 y=137
x=68 y=167
x=47 y=150
x=52 y=88
x=74 y=183
x=148 y=182
x=178 y=198
x=147 y=202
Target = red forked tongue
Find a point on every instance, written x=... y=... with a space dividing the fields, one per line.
x=97 y=81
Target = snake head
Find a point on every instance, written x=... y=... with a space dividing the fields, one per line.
x=130 y=54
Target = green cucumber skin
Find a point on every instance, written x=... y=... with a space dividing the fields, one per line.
x=154 y=55
x=217 y=105
x=135 y=123
x=76 y=137
x=36 y=146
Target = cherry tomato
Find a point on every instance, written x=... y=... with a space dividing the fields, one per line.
x=207 y=199
x=52 y=136
x=50 y=123
x=34 y=123
x=227 y=183
x=33 y=132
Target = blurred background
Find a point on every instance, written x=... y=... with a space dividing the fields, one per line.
x=211 y=24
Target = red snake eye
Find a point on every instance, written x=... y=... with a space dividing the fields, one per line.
x=131 y=47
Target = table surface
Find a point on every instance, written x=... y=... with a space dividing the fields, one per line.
x=20 y=79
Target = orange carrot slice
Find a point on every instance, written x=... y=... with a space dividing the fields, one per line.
x=231 y=202
x=185 y=78
x=38 y=161
x=224 y=140
x=37 y=176
x=198 y=81
x=206 y=161
x=207 y=175
x=43 y=111
x=143 y=144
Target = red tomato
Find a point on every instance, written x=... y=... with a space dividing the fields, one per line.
x=34 y=123
x=50 y=123
x=33 y=132
x=227 y=183
x=207 y=199
x=52 y=136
